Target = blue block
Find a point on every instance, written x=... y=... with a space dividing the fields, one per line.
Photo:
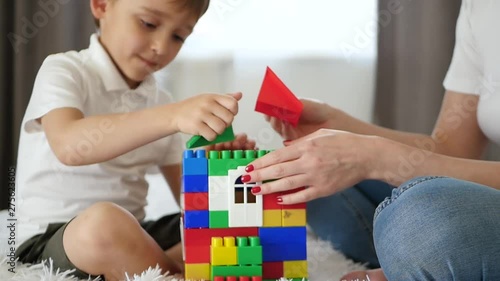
x=195 y=163
x=196 y=219
x=283 y=243
x=194 y=183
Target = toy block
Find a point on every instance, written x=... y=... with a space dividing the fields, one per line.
x=245 y=209
x=272 y=270
x=204 y=236
x=197 y=253
x=270 y=201
x=197 y=141
x=218 y=193
x=195 y=201
x=219 y=162
x=197 y=271
x=275 y=99
x=195 y=163
x=219 y=219
x=283 y=243
x=272 y=218
x=251 y=270
x=293 y=217
x=249 y=251
x=196 y=219
x=223 y=251
x=194 y=183
x=295 y=269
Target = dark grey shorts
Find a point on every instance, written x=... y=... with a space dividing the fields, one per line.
x=165 y=231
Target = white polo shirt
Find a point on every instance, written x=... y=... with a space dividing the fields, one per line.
x=49 y=191
x=475 y=68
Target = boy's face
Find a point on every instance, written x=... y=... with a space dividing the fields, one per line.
x=143 y=36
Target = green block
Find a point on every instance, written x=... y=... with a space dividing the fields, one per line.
x=249 y=253
x=219 y=219
x=219 y=162
x=221 y=270
x=197 y=141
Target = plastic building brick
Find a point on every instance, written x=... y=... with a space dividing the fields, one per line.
x=197 y=141
x=223 y=251
x=272 y=218
x=194 y=183
x=270 y=201
x=295 y=269
x=273 y=270
x=219 y=219
x=196 y=219
x=249 y=251
x=293 y=217
x=218 y=193
x=250 y=270
x=275 y=99
x=195 y=163
x=283 y=243
x=197 y=271
x=195 y=201
x=220 y=162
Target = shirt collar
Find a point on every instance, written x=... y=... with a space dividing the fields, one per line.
x=109 y=73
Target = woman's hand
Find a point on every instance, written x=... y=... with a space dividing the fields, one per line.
x=325 y=162
x=315 y=115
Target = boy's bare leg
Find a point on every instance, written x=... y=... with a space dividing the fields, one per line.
x=107 y=240
x=175 y=255
x=370 y=275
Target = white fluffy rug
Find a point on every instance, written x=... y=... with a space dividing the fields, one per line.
x=324 y=263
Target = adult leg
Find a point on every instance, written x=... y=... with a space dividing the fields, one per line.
x=107 y=240
x=345 y=219
x=439 y=229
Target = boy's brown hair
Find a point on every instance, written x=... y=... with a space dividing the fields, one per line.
x=197 y=7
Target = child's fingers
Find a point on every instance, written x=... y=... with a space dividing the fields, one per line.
x=229 y=102
x=237 y=95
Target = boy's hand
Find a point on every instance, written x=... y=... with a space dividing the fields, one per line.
x=207 y=115
x=241 y=142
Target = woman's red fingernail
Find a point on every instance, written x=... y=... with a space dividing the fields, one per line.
x=249 y=168
x=256 y=189
x=279 y=199
x=245 y=178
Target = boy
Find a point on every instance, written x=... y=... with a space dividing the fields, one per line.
x=94 y=125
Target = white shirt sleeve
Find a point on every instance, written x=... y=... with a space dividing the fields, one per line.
x=58 y=84
x=464 y=74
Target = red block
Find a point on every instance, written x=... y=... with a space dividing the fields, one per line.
x=275 y=99
x=219 y=278
x=195 y=201
x=272 y=270
x=257 y=278
x=270 y=201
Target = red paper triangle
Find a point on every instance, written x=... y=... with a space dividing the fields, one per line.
x=275 y=99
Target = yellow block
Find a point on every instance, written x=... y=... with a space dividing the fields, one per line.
x=197 y=271
x=272 y=218
x=293 y=217
x=295 y=269
x=223 y=253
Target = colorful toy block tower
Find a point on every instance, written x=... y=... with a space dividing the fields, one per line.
x=230 y=233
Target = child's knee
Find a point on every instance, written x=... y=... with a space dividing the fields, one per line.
x=102 y=227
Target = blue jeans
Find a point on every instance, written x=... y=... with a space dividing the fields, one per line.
x=345 y=219
x=435 y=228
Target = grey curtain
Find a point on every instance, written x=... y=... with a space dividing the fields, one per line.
x=31 y=30
x=415 y=47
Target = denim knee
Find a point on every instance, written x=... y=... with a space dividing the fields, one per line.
x=436 y=228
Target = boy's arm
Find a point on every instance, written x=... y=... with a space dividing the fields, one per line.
x=172 y=174
x=78 y=140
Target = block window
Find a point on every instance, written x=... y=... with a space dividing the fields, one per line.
x=243 y=192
